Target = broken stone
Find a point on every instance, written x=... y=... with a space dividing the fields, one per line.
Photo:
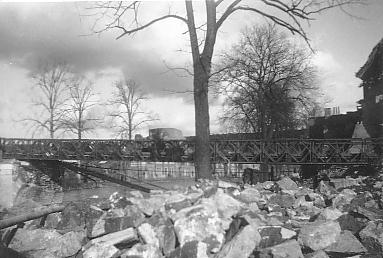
x=166 y=236
x=372 y=237
x=343 y=199
x=339 y=183
x=200 y=223
x=226 y=205
x=287 y=184
x=123 y=236
x=317 y=254
x=329 y=214
x=283 y=200
x=242 y=245
x=192 y=249
x=48 y=242
x=148 y=234
x=286 y=249
x=270 y=236
x=72 y=218
x=52 y=220
x=319 y=235
x=101 y=251
x=177 y=202
x=142 y=251
x=347 y=243
x=249 y=195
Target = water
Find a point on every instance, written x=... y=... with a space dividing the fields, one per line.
x=33 y=188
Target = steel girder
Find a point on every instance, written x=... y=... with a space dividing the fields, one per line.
x=279 y=151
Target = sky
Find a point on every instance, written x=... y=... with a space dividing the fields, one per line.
x=32 y=32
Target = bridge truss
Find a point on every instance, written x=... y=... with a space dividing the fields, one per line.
x=279 y=151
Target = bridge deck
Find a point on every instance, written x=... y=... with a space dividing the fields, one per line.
x=280 y=151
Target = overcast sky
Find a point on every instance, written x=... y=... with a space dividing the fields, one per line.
x=33 y=32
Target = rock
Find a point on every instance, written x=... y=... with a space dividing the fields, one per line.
x=148 y=235
x=317 y=254
x=288 y=249
x=329 y=214
x=372 y=237
x=37 y=242
x=235 y=226
x=124 y=236
x=149 y=205
x=52 y=220
x=226 y=205
x=115 y=220
x=283 y=200
x=72 y=218
x=225 y=184
x=343 y=199
x=200 y=223
x=270 y=236
x=119 y=201
x=242 y=245
x=369 y=213
x=249 y=195
x=101 y=251
x=177 y=202
x=9 y=253
x=166 y=236
x=347 y=243
x=339 y=183
x=325 y=189
x=193 y=249
x=349 y=222
x=287 y=184
x=319 y=235
x=142 y=251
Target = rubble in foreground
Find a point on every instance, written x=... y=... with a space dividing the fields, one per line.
x=341 y=218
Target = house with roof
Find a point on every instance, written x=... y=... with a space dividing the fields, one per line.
x=371 y=73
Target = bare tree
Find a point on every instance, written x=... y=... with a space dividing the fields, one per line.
x=78 y=117
x=268 y=82
x=129 y=115
x=290 y=14
x=51 y=91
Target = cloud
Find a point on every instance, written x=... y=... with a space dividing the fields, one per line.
x=35 y=32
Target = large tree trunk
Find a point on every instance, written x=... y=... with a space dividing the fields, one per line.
x=201 y=107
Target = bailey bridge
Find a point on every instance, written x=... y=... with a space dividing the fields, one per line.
x=279 y=151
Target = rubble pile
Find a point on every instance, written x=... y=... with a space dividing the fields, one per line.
x=341 y=218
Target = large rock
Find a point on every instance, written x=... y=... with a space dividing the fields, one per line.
x=166 y=236
x=226 y=205
x=288 y=249
x=73 y=218
x=372 y=236
x=200 y=223
x=242 y=245
x=317 y=254
x=192 y=249
x=249 y=195
x=343 y=199
x=45 y=242
x=149 y=205
x=283 y=200
x=349 y=222
x=148 y=234
x=142 y=251
x=319 y=235
x=348 y=244
x=104 y=246
x=340 y=183
x=287 y=184
x=329 y=214
x=115 y=220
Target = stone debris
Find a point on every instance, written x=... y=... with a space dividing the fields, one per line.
x=215 y=219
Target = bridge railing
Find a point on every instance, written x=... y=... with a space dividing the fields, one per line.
x=277 y=151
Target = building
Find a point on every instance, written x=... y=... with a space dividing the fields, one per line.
x=371 y=73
